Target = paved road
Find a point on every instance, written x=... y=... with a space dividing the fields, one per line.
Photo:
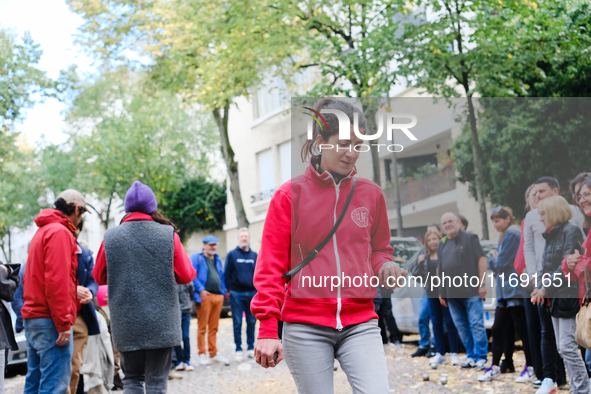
x=405 y=375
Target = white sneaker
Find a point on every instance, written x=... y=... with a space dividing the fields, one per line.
x=203 y=359
x=250 y=353
x=219 y=359
x=490 y=373
x=548 y=387
x=526 y=375
x=238 y=356
x=481 y=365
x=188 y=367
x=455 y=359
x=180 y=367
x=436 y=360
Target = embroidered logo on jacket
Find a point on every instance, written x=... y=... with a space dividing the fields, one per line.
x=360 y=216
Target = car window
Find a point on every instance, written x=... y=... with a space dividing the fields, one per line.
x=405 y=251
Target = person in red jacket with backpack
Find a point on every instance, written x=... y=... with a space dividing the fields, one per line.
x=327 y=320
x=50 y=306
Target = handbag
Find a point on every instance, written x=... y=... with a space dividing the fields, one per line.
x=312 y=255
x=583 y=330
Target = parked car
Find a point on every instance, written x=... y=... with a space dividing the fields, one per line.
x=17 y=357
x=405 y=300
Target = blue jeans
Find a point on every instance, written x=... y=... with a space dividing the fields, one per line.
x=240 y=303
x=467 y=315
x=424 y=317
x=49 y=366
x=441 y=318
x=183 y=352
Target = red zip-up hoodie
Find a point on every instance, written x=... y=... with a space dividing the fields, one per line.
x=49 y=284
x=301 y=214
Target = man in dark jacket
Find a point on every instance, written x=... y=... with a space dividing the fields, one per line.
x=86 y=322
x=183 y=351
x=9 y=281
x=239 y=273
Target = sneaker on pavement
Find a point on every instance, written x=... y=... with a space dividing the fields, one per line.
x=490 y=373
x=526 y=375
x=203 y=359
x=188 y=367
x=548 y=386
x=174 y=375
x=431 y=352
x=238 y=356
x=537 y=383
x=420 y=352
x=436 y=360
x=180 y=367
x=455 y=359
x=250 y=354
x=220 y=359
x=469 y=364
x=481 y=365
x=396 y=344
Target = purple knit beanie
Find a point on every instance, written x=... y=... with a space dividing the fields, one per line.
x=140 y=198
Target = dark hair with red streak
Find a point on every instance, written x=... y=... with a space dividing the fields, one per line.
x=332 y=122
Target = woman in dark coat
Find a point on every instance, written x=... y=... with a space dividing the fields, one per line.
x=9 y=281
x=559 y=291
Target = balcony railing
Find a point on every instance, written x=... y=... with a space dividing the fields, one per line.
x=429 y=185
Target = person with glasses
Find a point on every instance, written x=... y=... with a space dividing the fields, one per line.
x=560 y=295
x=50 y=305
x=533 y=249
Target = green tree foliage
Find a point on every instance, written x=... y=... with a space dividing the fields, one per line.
x=199 y=205
x=123 y=133
x=547 y=54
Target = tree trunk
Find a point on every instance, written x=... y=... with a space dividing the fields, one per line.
x=221 y=117
x=9 y=257
x=397 y=188
x=477 y=153
x=370 y=116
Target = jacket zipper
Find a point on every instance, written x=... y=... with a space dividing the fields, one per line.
x=336 y=253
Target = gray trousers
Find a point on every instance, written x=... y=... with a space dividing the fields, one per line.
x=310 y=351
x=149 y=366
x=564 y=330
x=2 y=368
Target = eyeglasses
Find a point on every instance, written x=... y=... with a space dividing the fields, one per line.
x=496 y=209
x=585 y=196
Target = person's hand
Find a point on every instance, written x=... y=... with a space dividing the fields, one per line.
x=5 y=269
x=482 y=292
x=63 y=338
x=83 y=294
x=421 y=259
x=537 y=297
x=264 y=350
x=442 y=301
x=391 y=271
x=227 y=295
x=573 y=259
x=203 y=294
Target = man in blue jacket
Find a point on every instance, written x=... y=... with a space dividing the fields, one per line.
x=239 y=273
x=210 y=290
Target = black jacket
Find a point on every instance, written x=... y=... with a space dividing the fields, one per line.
x=9 y=281
x=561 y=241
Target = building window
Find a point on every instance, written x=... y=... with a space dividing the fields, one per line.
x=285 y=158
x=266 y=175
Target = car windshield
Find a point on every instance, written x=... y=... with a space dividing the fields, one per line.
x=405 y=250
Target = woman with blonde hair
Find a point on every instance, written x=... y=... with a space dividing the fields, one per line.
x=558 y=290
x=440 y=316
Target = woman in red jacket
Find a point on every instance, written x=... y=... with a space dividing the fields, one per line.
x=327 y=307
